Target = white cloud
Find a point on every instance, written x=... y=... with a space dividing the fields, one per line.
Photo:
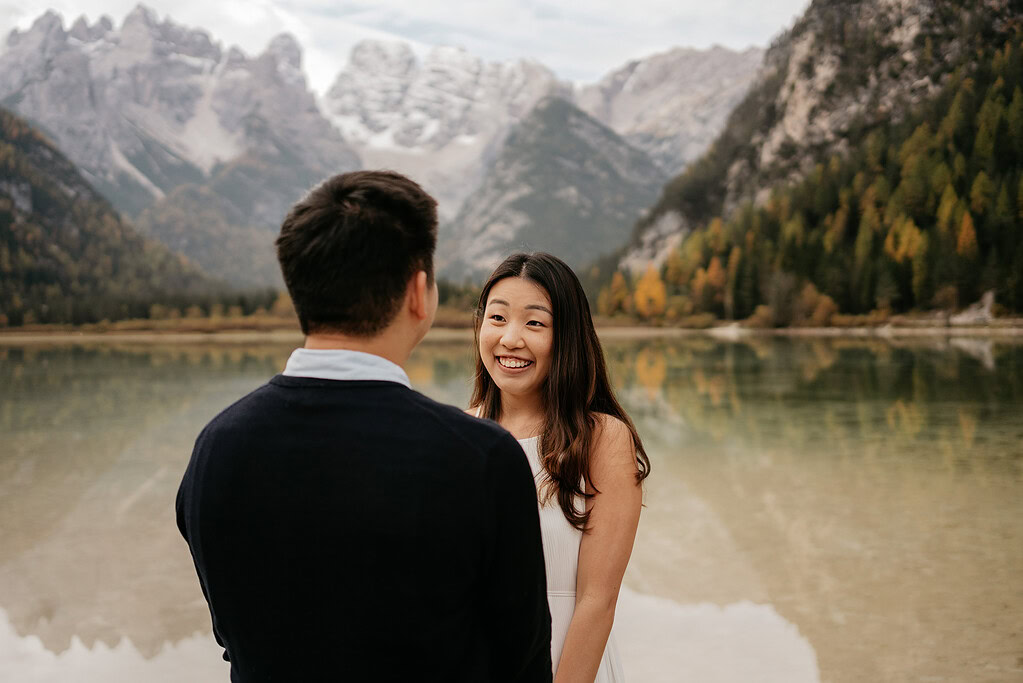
x=580 y=41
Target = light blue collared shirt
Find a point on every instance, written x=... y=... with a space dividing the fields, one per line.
x=344 y=365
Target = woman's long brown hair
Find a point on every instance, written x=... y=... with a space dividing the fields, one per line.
x=575 y=391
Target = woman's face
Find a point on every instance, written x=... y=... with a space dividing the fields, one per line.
x=517 y=335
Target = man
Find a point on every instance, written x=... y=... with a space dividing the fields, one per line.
x=343 y=526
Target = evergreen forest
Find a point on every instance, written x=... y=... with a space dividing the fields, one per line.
x=922 y=213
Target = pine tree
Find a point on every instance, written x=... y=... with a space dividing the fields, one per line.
x=923 y=289
x=674 y=268
x=1019 y=197
x=1001 y=220
x=716 y=235
x=734 y=262
x=959 y=168
x=1014 y=123
x=980 y=193
x=940 y=177
x=955 y=124
x=914 y=187
x=946 y=209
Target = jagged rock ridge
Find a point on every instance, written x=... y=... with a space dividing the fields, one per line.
x=154 y=106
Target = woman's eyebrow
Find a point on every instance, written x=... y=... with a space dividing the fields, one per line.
x=537 y=307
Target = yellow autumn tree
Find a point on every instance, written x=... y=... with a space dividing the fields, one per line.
x=904 y=239
x=651 y=294
x=716 y=235
x=614 y=298
x=282 y=306
x=966 y=242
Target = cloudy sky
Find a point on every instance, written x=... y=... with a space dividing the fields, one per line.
x=579 y=40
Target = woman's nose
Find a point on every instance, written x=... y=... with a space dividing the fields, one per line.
x=512 y=337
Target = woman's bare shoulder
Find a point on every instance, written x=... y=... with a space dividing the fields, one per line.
x=612 y=440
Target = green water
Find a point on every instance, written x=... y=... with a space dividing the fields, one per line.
x=832 y=510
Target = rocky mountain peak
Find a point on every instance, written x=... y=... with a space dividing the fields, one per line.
x=286 y=50
x=81 y=30
x=386 y=58
x=44 y=37
x=142 y=15
x=143 y=34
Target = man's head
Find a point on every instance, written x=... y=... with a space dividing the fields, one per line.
x=351 y=247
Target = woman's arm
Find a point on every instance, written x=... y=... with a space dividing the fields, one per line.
x=604 y=551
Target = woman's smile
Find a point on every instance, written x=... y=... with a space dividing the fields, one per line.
x=512 y=363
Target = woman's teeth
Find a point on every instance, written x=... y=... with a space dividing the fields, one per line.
x=513 y=362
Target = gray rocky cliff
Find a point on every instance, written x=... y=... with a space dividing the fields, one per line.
x=563 y=183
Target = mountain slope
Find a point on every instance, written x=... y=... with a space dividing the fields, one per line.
x=65 y=255
x=922 y=210
x=843 y=68
x=672 y=105
x=563 y=183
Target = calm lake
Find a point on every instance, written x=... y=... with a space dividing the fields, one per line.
x=819 y=510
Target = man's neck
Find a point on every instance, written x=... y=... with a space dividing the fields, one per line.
x=386 y=345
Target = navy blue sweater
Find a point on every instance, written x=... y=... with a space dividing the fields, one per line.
x=359 y=531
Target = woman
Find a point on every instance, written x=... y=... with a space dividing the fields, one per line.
x=540 y=373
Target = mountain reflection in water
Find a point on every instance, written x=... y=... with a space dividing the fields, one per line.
x=840 y=510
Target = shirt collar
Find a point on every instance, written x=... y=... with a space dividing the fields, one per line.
x=342 y=364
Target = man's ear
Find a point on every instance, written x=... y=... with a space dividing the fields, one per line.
x=419 y=295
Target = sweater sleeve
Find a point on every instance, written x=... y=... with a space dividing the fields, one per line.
x=185 y=507
x=515 y=583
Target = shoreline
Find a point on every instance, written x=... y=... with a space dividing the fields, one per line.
x=725 y=333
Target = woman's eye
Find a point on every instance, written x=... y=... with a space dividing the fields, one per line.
x=497 y=317
x=535 y=323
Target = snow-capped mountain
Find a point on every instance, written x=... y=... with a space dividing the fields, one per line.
x=441 y=120
x=206 y=147
x=563 y=183
x=146 y=107
x=671 y=105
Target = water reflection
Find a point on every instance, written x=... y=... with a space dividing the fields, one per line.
x=27 y=659
x=843 y=510
x=869 y=491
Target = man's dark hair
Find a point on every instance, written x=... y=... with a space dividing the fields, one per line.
x=348 y=249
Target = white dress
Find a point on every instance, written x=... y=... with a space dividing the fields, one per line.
x=561 y=555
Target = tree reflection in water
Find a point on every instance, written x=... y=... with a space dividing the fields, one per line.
x=871 y=490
